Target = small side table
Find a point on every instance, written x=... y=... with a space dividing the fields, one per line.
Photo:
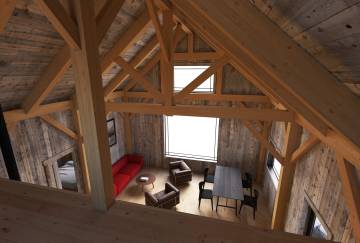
x=151 y=179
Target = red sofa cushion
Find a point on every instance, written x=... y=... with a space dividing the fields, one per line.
x=118 y=165
x=131 y=169
x=120 y=182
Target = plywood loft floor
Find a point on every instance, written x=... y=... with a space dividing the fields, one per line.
x=189 y=200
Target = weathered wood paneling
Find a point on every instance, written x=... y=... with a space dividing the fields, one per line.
x=34 y=141
x=3 y=172
x=316 y=175
x=328 y=29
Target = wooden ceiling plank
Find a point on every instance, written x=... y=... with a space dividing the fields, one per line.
x=139 y=58
x=201 y=78
x=134 y=33
x=61 y=21
x=106 y=17
x=139 y=77
x=164 y=47
x=6 y=10
x=351 y=191
x=280 y=63
x=198 y=110
x=90 y=102
x=52 y=75
x=59 y=126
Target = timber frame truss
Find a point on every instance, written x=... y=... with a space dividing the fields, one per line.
x=256 y=111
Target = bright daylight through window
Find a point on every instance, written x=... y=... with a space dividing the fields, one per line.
x=191 y=137
x=183 y=75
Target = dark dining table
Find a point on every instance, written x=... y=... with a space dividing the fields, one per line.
x=228 y=184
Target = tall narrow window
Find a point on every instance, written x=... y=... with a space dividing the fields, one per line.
x=191 y=137
x=184 y=75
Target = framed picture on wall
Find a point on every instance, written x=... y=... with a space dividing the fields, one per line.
x=111 y=132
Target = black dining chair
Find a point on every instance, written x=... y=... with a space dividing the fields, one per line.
x=250 y=201
x=205 y=194
x=208 y=178
x=247 y=182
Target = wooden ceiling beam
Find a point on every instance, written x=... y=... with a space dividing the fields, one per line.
x=200 y=96
x=201 y=78
x=164 y=47
x=196 y=56
x=198 y=110
x=278 y=67
x=139 y=58
x=59 y=126
x=351 y=191
x=131 y=35
x=264 y=141
x=144 y=70
x=167 y=66
x=61 y=21
x=54 y=72
x=6 y=10
x=107 y=15
x=20 y=114
x=139 y=78
x=304 y=148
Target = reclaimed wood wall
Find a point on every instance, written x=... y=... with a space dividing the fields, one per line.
x=34 y=141
x=316 y=175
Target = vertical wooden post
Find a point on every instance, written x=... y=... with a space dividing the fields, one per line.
x=166 y=68
x=262 y=154
x=81 y=150
x=283 y=193
x=351 y=190
x=219 y=80
x=90 y=100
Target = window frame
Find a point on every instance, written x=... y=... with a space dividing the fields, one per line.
x=312 y=215
x=270 y=160
x=168 y=154
x=212 y=80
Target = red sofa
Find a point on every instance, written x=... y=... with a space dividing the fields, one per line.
x=125 y=169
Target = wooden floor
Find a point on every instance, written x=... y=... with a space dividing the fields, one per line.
x=36 y=214
x=189 y=200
